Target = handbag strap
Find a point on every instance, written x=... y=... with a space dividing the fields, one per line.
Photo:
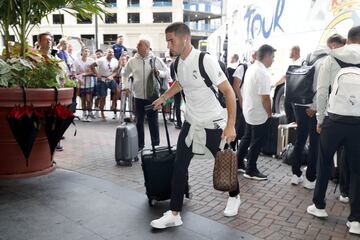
x=222 y=144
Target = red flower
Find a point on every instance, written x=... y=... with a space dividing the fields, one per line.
x=60 y=111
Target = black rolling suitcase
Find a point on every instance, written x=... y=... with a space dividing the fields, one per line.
x=157 y=165
x=271 y=138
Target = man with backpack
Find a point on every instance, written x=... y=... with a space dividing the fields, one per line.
x=341 y=126
x=306 y=122
x=142 y=66
x=206 y=123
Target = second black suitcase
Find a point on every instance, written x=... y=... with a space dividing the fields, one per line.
x=271 y=138
x=157 y=165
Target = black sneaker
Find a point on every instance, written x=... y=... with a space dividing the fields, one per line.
x=241 y=167
x=59 y=148
x=255 y=175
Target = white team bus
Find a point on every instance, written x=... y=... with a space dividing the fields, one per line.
x=282 y=24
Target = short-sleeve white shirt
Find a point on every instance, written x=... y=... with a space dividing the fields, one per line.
x=104 y=67
x=201 y=103
x=239 y=72
x=257 y=83
x=81 y=66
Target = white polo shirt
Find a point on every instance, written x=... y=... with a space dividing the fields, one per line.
x=239 y=72
x=201 y=103
x=104 y=67
x=257 y=83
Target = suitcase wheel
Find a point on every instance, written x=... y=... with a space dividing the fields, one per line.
x=124 y=163
x=188 y=195
x=152 y=202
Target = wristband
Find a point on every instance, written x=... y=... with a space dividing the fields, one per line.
x=163 y=97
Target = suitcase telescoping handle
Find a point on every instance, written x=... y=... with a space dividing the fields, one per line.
x=150 y=107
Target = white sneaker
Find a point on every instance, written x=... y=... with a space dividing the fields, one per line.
x=313 y=210
x=232 y=206
x=88 y=118
x=295 y=180
x=115 y=116
x=97 y=114
x=167 y=220
x=343 y=199
x=354 y=227
x=309 y=185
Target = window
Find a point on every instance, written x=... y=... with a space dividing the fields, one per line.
x=110 y=3
x=83 y=20
x=162 y=17
x=87 y=36
x=133 y=17
x=110 y=39
x=12 y=38
x=162 y=3
x=34 y=37
x=57 y=39
x=111 y=18
x=133 y=3
x=58 y=18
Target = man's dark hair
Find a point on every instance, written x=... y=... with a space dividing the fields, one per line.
x=235 y=57
x=354 y=34
x=336 y=38
x=120 y=36
x=264 y=50
x=99 y=50
x=179 y=28
x=296 y=48
x=43 y=34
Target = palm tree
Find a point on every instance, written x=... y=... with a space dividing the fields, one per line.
x=23 y=15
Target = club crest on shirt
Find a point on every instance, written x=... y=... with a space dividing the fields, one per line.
x=195 y=74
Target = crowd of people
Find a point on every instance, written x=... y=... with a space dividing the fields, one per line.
x=330 y=122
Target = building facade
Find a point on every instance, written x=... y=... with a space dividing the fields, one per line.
x=134 y=19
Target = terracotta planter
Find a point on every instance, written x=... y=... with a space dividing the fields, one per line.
x=12 y=160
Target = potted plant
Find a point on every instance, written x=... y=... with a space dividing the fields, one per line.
x=30 y=87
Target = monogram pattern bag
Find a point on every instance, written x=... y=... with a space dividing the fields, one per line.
x=225 y=170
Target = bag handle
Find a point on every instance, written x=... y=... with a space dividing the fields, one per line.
x=56 y=95
x=223 y=145
x=24 y=94
x=166 y=129
x=148 y=108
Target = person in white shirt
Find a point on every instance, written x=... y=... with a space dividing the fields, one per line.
x=257 y=110
x=206 y=122
x=105 y=73
x=86 y=81
x=239 y=76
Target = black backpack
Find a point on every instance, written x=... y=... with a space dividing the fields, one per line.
x=218 y=94
x=231 y=72
x=299 y=82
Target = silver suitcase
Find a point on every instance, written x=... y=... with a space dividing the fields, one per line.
x=286 y=135
x=126 y=144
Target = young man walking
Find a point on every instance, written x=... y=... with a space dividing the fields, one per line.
x=205 y=120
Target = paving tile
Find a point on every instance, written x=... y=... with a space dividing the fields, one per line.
x=274 y=204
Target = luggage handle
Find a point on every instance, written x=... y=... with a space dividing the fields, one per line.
x=150 y=107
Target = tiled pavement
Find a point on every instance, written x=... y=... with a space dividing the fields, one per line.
x=270 y=209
